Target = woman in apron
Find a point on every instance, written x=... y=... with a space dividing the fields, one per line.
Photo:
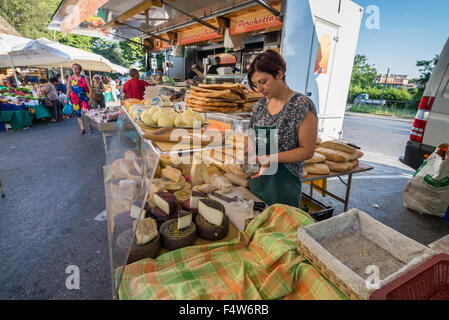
x=285 y=128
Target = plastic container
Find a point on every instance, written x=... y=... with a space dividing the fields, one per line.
x=428 y=281
x=315 y=209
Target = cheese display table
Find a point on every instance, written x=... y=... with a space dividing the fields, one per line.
x=180 y=215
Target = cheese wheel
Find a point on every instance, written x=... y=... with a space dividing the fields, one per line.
x=174 y=238
x=334 y=155
x=136 y=252
x=208 y=231
x=123 y=219
x=186 y=206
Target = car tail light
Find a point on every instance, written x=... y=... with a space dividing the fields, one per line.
x=420 y=123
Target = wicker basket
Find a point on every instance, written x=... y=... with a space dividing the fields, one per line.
x=343 y=287
x=310 y=245
x=428 y=281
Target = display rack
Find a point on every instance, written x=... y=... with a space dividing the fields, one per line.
x=131 y=163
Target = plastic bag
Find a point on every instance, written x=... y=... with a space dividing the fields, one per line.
x=428 y=191
x=68 y=109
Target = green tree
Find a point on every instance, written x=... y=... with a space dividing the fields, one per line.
x=29 y=17
x=425 y=69
x=133 y=53
x=110 y=50
x=76 y=41
x=363 y=74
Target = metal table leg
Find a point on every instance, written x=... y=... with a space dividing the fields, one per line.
x=348 y=191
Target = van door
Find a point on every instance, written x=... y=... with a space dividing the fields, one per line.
x=437 y=129
x=319 y=78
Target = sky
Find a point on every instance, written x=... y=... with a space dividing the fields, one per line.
x=408 y=31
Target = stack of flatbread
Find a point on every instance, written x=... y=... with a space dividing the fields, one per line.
x=223 y=98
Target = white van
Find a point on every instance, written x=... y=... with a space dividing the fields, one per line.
x=431 y=125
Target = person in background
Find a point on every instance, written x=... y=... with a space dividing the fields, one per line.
x=112 y=85
x=118 y=86
x=61 y=87
x=61 y=96
x=157 y=76
x=287 y=121
x=213 y=69
x=98 y=92
x=11 y=83
x=196 y=71
x=50 y=91
x=134 y=88
x=79 y=91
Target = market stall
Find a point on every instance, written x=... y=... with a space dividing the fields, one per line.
x=19 y=107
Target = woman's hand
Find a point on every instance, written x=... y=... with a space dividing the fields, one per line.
x=264 y=163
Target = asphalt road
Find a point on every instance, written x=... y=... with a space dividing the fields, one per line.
x=54 y=188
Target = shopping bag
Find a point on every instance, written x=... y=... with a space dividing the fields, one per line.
x=428 y=190
x=68 y=109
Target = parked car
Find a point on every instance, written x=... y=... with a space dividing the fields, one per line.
x=364 y=99
x=431 y=125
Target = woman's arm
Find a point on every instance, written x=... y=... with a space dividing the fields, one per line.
x=69 y=86
x=307 y=137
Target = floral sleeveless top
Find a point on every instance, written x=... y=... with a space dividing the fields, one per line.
x=79 y=95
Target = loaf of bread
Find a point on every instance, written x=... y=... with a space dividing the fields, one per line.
x=339 y=166
x=317 y=168
x=317 y=158
x=334 y=155
x=354 y=163
x=337 y=145
x=357 y=155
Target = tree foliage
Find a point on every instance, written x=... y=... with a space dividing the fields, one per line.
x=363 y=74
x=29 y=17
x=425 y=69
x=133 y=53
x=32 y=17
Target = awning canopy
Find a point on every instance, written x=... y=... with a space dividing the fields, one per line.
x=184 y=22
x=44 y=53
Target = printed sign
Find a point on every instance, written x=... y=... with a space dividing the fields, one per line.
x=197 y=34
x=260 y=19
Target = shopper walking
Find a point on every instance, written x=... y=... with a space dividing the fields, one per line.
x=79 y=91
x=113 y=87
x=287 y=121
x=134 y=88
x=98 y=93
x=61 y=91
x=50 y=91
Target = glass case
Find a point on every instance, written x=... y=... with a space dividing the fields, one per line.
x=131 y=165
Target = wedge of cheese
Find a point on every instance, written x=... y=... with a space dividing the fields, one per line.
x=146 y=231
x=166 y=202
x=184 y=219
x=212 y=211
x=195 y=197
x=172 y=174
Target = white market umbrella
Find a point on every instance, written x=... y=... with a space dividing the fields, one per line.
x=9 y=43
x=43 y=53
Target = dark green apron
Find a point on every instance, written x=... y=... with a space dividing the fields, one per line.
x=283 y=187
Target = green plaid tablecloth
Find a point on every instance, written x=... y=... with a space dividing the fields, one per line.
x=261 y=263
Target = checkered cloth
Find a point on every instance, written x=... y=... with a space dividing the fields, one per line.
x=261 y=263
